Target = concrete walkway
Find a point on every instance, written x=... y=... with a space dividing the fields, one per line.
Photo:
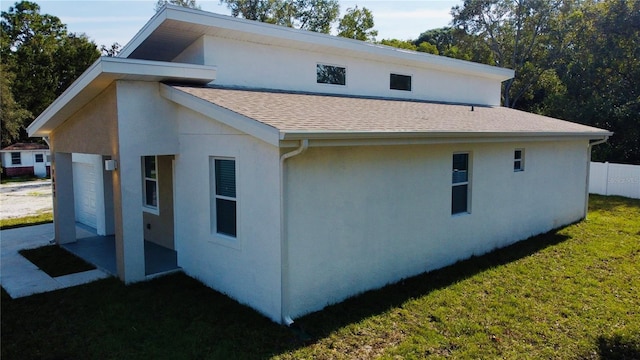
x=19 y=277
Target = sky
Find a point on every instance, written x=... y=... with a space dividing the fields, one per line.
x=106 y=22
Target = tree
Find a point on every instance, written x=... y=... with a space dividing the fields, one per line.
x=400 y=44
x=519 y=34
x=44 y=58
x=111 y=51
x=312 y=15
x=185 y=3
x=599 y=78
x=12 y=116
x=357 y=24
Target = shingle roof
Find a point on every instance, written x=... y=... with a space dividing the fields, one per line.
x=315 y=113
x=25 y=146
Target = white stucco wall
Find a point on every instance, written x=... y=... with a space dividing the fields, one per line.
x=147 y=125
x=247 y=268
x=255 y=65
x=361 y=217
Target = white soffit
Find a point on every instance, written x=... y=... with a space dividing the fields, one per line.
x=102 y=73
x=174 y=28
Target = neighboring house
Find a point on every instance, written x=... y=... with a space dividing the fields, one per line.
x=26 y=159
x=291 y=169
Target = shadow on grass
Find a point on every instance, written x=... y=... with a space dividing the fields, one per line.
x=618 y=348
x=178 y=317
x=608 y=203
x=320 y=324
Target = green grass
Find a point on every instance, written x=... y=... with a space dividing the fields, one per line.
x=19 y=179
x=569 y=294
x=56 y=261
x=11 y=223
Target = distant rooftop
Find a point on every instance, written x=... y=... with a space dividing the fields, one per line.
x=25 y=146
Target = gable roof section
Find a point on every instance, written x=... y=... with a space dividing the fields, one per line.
x=277 y=116
x=174 y=28
x=101 y=74
x=25 y=147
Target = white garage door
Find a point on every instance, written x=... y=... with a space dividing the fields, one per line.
x=84 y=193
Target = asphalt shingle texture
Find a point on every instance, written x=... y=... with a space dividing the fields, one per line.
x=299 y=112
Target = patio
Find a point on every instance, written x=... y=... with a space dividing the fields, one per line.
x=101 y=252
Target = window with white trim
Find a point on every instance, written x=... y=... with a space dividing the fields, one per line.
x=330 y=74
x=15 y=158
x=518 y=160
x=223 y=201
x=460 y=184
x=39 y=158
x=150 y=172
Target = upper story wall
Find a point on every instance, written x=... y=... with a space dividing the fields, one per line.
x=256 y=65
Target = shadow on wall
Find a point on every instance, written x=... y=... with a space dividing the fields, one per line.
x=375 y=302
x=617 y=347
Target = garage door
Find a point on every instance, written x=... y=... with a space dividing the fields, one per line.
x=84 y=193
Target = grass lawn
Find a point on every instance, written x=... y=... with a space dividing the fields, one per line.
x=11 y=223
x=569 y=294
x=56 y=261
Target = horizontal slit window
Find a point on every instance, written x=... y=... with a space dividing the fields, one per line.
x=400 y=82
x=329 y=74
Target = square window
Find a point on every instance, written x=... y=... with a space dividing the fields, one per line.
x=15 y=158
x=518 y=160
x=329 y=74
x=39 y=158
x=400 y=82
x=224 y=202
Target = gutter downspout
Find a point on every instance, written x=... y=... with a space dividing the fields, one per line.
x=586 y=195
x=284 y=241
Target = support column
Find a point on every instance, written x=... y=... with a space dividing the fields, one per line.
x=63 y=202
x=107 y=181
x=128 y=224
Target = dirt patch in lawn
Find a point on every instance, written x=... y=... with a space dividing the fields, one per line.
x=56 y=261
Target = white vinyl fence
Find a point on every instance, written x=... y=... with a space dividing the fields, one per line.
x=615 y=179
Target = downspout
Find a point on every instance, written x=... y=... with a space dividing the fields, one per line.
x=586 y=195
x=284 y=241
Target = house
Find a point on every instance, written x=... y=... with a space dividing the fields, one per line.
x=26 y=159
x=291 y=169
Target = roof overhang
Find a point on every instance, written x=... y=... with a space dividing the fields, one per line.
x=102 y=73
x=174 y=28
x=334 y=138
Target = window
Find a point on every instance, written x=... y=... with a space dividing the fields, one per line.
x=49 y=158
x=518 y=160
x=150 y=182
x=39 y=158
x=224 y=200
x=400 y=82
x=460 y=184
x=328 y=74
x=15 y=158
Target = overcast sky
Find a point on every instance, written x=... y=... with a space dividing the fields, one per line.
x=106 y=22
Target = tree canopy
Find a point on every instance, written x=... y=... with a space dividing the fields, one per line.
x=185 y=3
x=358 y=24
x=40 y=59
x=312 y=15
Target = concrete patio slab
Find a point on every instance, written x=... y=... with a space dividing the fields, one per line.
x=19 y=277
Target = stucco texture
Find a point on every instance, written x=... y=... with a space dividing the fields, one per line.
x=361 y=217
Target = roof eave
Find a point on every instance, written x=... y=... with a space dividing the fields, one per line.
x=435 y=136
x=292 y=36
x=101 y=74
